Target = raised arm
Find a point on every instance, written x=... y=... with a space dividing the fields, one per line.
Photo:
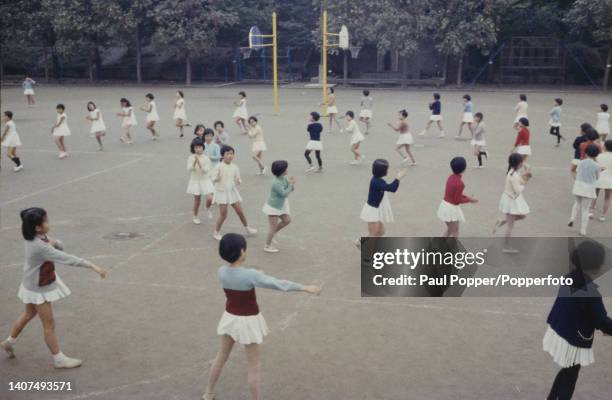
x=259 y=279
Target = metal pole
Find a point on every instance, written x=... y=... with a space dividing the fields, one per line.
x=275 y=63
x=324 y=62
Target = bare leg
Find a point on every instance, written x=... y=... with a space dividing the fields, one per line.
x=272 y=228
x=355 y=150
x=238 y=208
x=258 y=160
x=409 y=153
x=375 y=229
x=222 y=217
x=58 y=143
x=28 y=314
x=337 y=123
x=99 y=139
x=196 y=205
x=607 y=196
x=209 y=199
x=331 y=122
x=399 y=151
x=252 y=353
x=227 y=343
x=45 y=313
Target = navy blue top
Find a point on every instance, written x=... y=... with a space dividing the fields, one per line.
x=435 y=107
x=577 y=313
x=580 y=139
x=315 y=130
x=378 y=187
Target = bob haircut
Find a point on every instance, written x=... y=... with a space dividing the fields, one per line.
x=315 y=116
x=380 y=168
x=458 y=165
x=585 y=127
x=592 y=134
x=588 y=255
x=225 y=148
x=403 y=113
x=125 y=102
x=9 y=114
x=366 y=92
x=209 y=132
x=524 y=121
x=149 y=96
x=93 y=104
x=608 y=145
x=514 y=161
x=279 y=167
x=180 y=92
x=523 y=97
x=436 y=96
x=350 y=114
x=252 y=118
x=197 y=127
x=61 y=106
x=30 y=219
x=604 y=107
x=479 y=115
x=467 y=97
x=592 y=150
x=242 y=94
x=559 y=101
x=217 y=123
x=230 y=247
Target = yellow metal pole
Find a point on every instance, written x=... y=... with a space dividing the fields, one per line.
x=324 y=62
x=275 y=64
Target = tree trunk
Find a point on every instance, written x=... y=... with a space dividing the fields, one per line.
x=445 y=68
x=46 y=52
x=188 y=70
x=404 y=70
x=98 y=61
x=138 y=55
x=607 y=70
x=1 y=71
x=460 y=70
x=90 y=63
x=345 y=68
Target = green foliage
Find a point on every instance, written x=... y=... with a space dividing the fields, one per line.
x=593 y=17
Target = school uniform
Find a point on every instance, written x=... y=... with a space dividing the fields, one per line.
x=521 y=111
x=179 y=110
x=479 y=135
x=241 y=111
x=512 y=201
x=405 y=137
x=314 y=131
x=366 y=107
x=28 y=87
x=603 y=123
x=221 y=138
x=522 y=142
x=241 y=319
x=12 y=137
x=356 y=135
x=226 y=177
x=605 y=177
x=152 y=115
x=378 y=207
x=468 y=109
x=278 y=201
x=128 y=120
x=258 y=139
x=587 y=175
x=98 y=126
x=331 y=104
x=436 y=111
x=213 y=152
x=199 y=181
x=63 y=129
x=449 y=209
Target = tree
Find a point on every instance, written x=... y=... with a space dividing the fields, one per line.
x=188 y=28
x=139 y=25
x=594 y=18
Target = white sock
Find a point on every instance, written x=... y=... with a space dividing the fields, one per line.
x=59 y=356
x=10 y=339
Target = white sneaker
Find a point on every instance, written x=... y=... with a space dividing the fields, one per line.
x=602 y=218
x=196 y=221
x=478 y=166
x=208 y=396
x=270 y=249
x=264 y=170
x=319 y=170
x=122 y=139
x=209 y=213
x=310 y=169
x=9 y=348
x=250 y=231
x=442 y=135
x=19 y=168
x=354 y=162
x=62 y=155
x=217 y=236
x=67 y=362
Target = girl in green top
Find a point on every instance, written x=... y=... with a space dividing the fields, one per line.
x=277 y=205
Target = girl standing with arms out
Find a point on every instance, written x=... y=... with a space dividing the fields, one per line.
x=584 y=192
x=468 y=117
x=436 y=116
x=129 y=120
x=180 y=115
x=241 y=321
x=450 y=211
x=221 y=137
x=377 y=209
x=520 y=109
x=152 y=116
x=199 y=165
x=555 y=121
x=356 y=137
x=61 y=130
x=41 y=285
x=332 y=110
x=10 y=140
x=226 y=177
x=512 y=203
x=314 y=144
x=577 y=312
x=605 y=178
x=581 y=138
x=259 y=145
x=521 y=144
x=365 y=115
x=241 y=114
x=28 y=89
x=98 y=128
x=405 y=138
x=277 y=205
x=603 y=122
x=478 y=140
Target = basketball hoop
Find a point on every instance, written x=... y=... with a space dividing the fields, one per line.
x=343 y=38
x=355 y=51
x=246 y=52
x=255 y=38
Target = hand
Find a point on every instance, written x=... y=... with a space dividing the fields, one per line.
x=527 y=175
x=291 y=180
x=473 y=200
x=312 y=289
x=401 y=173
x=100 y=271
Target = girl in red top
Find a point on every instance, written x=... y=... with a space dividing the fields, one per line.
x=449 y=210
x=521 y=144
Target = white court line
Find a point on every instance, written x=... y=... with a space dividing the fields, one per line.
x=90 y=152
x=59 y=185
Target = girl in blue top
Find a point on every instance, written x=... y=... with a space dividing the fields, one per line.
x=277 y=205
x=468 y=116
x=241 y=321
x=555 y=121
x=377 y=209
x=28 y=89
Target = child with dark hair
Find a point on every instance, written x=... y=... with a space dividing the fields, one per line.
x=592 y=137
x=199 y=166
x=405 y=138
x=468 y=116
x=605 y=179
x=180 y=115
x=365 y=115
x=478 y=140
x=577 y=312
x=211 y=149
x=226 y=177
x=449 y=210
x=277 y=205
x=221 y=137
x=581 y=138
x=98 y=127
x=28 y=89
x=10 y=139
x=41 y=285
x=377 y=209
x=521 y=110
x=356 y=137
x=259 y=145
x=314 y=144
x=60 y=130
x=512 y=203
x=129 y=120
x=198 y=131
x=241 y=321
x=152 y=116
x=332 y=109
x=555 y=121
x=603 y=122
x=521 y=144
x=587 y=174
x=436 y=116
x=241 y=114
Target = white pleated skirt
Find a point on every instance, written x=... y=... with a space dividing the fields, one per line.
x=480 y=143
x=97 y=126
x=448 y=212
x=404 y=138
x=30 y=297
x=524 y=150
x=509 y=205
x=602 y=127
x=365 y=114
x=259 y=146
x=241 y=112
x=332 y=110
x=383 y=213
x=605 y=180
x=357 y=137
x=229 y=196
x=584 y=189
x=200 y=187
x=62 y=130
x=28 y=91
x=127 y=122
x=269 y=210
x=180 y=113
x=564 y=354
x=435 y=117
x=152 y=117
x=11 y=140
x=468 y=117
x=243 y=329
x=314 y=145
